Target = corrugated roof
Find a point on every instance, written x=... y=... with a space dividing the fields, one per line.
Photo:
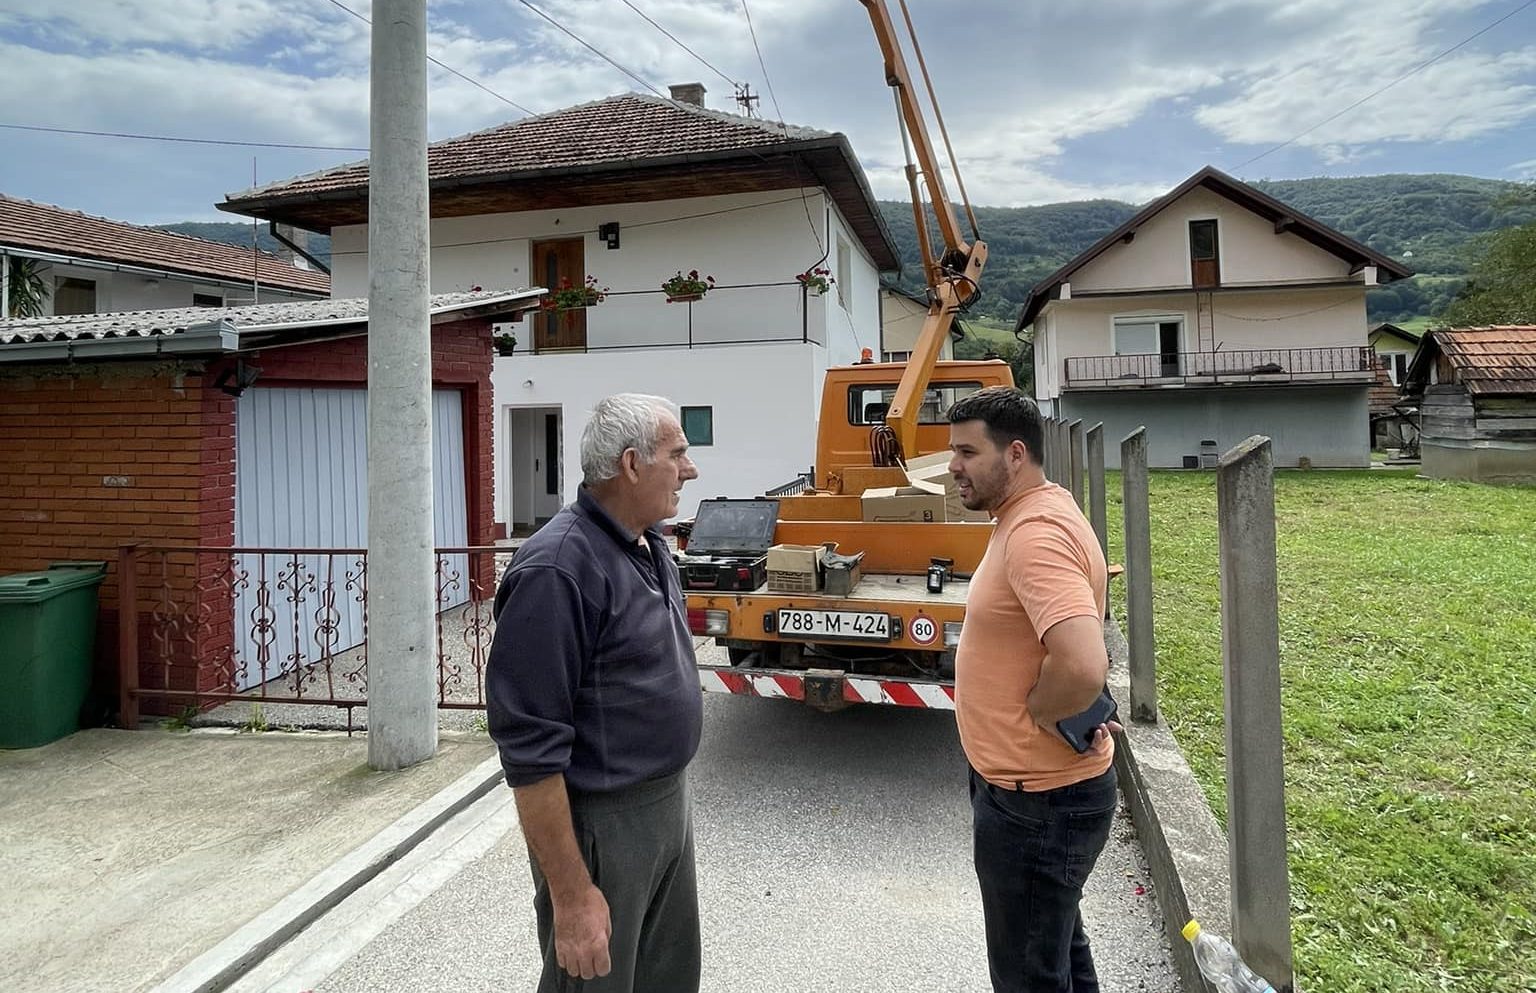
x=1491 y=361
x=46 y=228
x=626 y=128
x=262 y=316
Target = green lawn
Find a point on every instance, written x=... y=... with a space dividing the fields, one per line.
x=1408 y=644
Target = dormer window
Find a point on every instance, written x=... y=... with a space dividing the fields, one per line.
x=1203 y=264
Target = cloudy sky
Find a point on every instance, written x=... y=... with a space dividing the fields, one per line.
x=1045 y=101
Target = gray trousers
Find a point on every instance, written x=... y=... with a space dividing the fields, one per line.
x=638 y=846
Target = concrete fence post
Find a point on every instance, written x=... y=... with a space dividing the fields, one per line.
x=1138 y=576
x=1098 y=512
x=1075 y=459
x=1051 y=458
x=1250 y=658
x=1062 y=454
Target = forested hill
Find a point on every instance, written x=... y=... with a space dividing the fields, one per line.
x=1430 y=222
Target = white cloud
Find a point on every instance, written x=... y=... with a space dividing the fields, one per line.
x=1466 y=95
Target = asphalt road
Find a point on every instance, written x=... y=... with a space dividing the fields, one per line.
x=834 y=854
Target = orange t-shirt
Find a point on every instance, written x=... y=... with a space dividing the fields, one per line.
x=1042 y=566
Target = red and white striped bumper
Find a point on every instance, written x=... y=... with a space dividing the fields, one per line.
x=790 y=685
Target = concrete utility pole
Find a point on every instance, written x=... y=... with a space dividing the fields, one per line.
x=402 y=645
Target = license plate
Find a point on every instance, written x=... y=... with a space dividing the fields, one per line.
x=858 y=625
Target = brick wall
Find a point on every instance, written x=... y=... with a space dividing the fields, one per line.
x=93 y=457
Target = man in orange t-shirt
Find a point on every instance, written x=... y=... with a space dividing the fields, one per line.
x=1031 y=653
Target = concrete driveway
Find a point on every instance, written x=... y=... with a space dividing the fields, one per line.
x=834 y=854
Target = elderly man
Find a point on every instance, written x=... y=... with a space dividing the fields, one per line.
x=594 y=705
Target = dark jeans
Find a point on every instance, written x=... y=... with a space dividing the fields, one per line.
x=1034 y=852
x=638 y=846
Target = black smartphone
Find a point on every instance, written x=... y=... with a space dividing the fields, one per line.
x=1078 y=729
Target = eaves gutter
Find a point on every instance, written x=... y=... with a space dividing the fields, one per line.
x=209 y=339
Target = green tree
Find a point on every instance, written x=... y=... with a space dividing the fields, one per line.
x=1502 y=286
x=28 y=291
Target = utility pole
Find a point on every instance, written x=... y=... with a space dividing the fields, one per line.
x=402 y=645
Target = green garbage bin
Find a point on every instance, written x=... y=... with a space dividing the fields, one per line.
x=47 y=637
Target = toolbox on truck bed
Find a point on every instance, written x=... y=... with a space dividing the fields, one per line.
x=728 y=545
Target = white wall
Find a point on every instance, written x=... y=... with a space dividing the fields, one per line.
x=749 y=238
x=122 y=291
x=1248 y=250
x=762 y=395
x=765 y=394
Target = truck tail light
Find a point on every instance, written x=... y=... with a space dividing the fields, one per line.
x=951 y=634
x=710 y=622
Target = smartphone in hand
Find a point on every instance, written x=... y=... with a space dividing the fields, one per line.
x=1078 y=729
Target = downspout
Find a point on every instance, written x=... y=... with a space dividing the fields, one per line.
x=5 y=285
x=294 y=246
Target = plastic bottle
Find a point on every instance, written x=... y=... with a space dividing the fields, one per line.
x=1219 y=962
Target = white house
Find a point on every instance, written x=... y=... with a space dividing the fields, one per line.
x=92 y=265
x=629 y=190
x=901 y=321
x=1214 y=314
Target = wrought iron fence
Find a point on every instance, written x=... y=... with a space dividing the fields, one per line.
x=1239 y=365
x=207 y=625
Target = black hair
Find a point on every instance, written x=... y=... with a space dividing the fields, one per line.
x=1009 y=416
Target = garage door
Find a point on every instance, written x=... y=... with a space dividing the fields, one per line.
x=301 y=481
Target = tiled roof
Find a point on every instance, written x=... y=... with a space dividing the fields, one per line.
x=1492 y=360
x=46 y=228
x=261 y=316
x=626 y=128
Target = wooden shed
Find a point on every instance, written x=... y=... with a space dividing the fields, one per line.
x=1475 y=389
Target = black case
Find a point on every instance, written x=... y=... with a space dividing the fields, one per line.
x=728 y=545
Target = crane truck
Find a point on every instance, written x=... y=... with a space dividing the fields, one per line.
x=890 y=639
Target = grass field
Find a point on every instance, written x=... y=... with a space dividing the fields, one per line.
x=1408 y=643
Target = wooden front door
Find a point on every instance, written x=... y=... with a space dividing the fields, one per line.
x=554 y=261
x=1203 y=264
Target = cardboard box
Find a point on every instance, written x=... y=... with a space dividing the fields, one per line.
x=918 y=502
x=796 y=568
x=935 y=469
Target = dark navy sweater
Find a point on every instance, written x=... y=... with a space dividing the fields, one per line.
x=592 y=672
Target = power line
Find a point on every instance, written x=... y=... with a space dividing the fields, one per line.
x=763 y=66
x=189 y=141
x=1376 y=93
x=585 y=44
x=626 y=227
x=826 y=249
x=445 y=66
x=707 y=64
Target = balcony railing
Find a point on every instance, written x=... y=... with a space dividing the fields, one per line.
x=1348 y=363
x=729 y=314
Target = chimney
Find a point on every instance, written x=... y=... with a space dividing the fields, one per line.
x=688 y=93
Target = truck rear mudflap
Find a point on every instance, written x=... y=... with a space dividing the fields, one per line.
x=828 y=689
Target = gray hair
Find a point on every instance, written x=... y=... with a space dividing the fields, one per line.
x=620 y=422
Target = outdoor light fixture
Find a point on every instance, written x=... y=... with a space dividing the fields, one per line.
x=243 y=377
x=609 y=233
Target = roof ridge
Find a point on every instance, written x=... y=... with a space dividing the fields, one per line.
x=146 y=227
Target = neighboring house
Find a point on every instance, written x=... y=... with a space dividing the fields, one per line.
x=91 y=265
x=1475 y=389
x=1394 y=347
x=629 y=190
x=901 y=320
x=1215 y=313
x=231 y=427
